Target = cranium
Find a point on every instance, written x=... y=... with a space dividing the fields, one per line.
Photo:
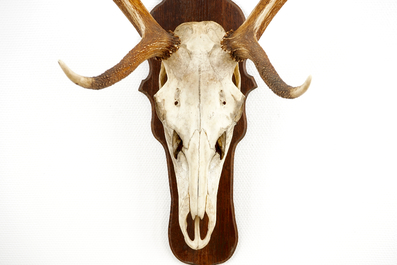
x=199 y=105
x=199 y=99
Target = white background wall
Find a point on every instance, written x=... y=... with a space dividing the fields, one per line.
x=83 y=181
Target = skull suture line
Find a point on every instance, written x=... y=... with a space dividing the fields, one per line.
x=197 y=102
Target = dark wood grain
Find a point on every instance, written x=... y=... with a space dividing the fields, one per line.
x=169 y=14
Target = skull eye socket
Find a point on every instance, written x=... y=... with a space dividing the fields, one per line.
x=177 y=144
x=220 y=145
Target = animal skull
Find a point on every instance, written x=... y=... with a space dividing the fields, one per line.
x=198 y=100
x=198 y=105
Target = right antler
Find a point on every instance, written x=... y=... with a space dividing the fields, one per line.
x=156 y=42
x=243 y=44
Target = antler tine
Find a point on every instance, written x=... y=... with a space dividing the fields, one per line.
x=138 y=15
x=243 y=44
x=156 y=42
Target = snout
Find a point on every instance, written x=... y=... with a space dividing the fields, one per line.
x=198 y=155
x=199 y=163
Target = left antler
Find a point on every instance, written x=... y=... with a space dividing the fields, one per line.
x=243 y=44
x=156 y=42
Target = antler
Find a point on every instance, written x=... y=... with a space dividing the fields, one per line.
x=243 y=44
x=156 y=42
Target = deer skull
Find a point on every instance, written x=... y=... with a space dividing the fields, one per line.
x=198 y=100
x=198 y=105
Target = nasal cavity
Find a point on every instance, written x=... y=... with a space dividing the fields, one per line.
x=203 y=226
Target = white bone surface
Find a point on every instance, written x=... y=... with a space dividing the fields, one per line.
x=200 y=103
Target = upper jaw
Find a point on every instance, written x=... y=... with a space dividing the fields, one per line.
x=198 y=167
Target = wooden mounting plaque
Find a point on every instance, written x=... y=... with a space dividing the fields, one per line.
x=169 y=14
